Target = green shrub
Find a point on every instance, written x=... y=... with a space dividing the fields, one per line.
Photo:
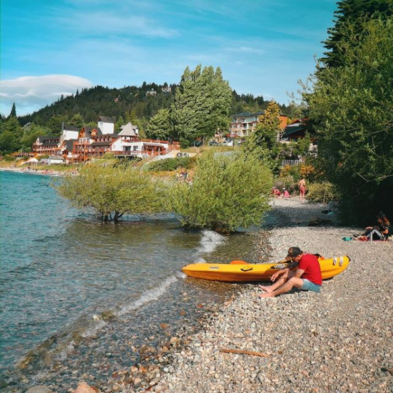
x=322 y=192
x=285 y=182
x=227 y=192
x=112 y=191
x=170 y=164
x=9 y=158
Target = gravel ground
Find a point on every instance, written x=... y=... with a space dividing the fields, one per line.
x=340 y=340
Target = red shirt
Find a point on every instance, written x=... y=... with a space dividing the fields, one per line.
x=312 y=271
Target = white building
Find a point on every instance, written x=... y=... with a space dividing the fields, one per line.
x=129 y=131
x=106 y=125
x=68 y=133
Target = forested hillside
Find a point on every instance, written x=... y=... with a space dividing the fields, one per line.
x=200 y=104
x=128 y=103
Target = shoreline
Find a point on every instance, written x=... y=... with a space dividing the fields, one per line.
x=339 y=340
x=48 y=172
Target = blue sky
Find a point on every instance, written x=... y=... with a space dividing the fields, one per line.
x=49 y=48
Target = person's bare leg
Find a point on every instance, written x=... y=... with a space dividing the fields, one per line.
x=271 y=288
x=292 y=282
x=280 y=281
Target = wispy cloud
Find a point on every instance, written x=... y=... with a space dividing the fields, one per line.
x=246 y=49
x=34 y=92
x=115 y=23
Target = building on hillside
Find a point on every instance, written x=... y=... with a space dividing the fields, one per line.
x=46 y=145
x=68 y=133
x=129 y=131
x=243 y=124
x=92 y=143
x=53 y=160
x=295 y=131
x=151 y=92
x=139 y=148
x=106 y=124
x=66 y=149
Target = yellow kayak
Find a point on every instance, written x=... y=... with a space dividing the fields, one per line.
x=240 y=271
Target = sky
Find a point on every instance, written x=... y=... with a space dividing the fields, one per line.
x=53 y=48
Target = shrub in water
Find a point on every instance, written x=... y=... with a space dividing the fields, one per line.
x=227 y=192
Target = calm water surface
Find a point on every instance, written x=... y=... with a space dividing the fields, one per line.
x=62 y=273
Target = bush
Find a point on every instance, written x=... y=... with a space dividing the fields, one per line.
x=170 y=164
x=322 y=192
x=112 y=191
x=227 y=192
x=9 y=158
x=286 y=182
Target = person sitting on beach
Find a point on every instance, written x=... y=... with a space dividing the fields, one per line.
x=286 y=194
x=276 y=192
x=306 y=276
x=382 y=230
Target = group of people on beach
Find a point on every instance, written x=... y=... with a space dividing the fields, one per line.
x=304 y=272
x=380 y=231
x=285 y=193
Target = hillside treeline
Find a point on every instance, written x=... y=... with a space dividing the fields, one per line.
x=132 y=103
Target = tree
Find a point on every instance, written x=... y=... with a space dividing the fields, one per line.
x=351 y=107
x=227 y=193
x=120 y=122
x=8 y=142
x=13 y=111
x=351 y=14
x=77 y=121
x=112 y=191
x=263 y=141
x=30 y=135
x=201 y=105
x=160 y=126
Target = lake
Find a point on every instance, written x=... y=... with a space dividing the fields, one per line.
x=76 y=292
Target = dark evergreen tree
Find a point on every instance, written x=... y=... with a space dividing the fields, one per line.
x=350 y=16
x=201 y=105
x=13 y=111
x=160 y=126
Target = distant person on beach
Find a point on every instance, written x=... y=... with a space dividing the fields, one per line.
x=286 y=193
x=380 y=231
x=306 y=276
x=276 y=192
x=302 y=188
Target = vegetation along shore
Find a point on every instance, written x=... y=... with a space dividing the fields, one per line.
x=309 y=175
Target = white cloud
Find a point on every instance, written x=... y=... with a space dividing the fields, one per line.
x=30 y=93
x=246 y=49
x=115 y=23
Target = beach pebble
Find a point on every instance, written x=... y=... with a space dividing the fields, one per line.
x=337 y=341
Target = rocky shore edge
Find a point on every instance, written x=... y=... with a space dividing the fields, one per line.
x=340 y=340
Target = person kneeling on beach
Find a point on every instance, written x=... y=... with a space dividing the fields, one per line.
x=306 y=276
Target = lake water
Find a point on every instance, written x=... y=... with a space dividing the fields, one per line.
x=76 y=293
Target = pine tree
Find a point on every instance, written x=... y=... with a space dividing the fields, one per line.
x=201 y=105
x=264 y=140
x=350 y=16
x=160 y=126
x=13 y=111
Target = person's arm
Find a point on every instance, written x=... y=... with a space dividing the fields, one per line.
x=283 y=272
x=299 y=273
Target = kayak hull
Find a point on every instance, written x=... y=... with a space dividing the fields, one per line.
x=248 y=272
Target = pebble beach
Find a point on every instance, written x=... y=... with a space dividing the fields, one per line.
x=340 y=340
